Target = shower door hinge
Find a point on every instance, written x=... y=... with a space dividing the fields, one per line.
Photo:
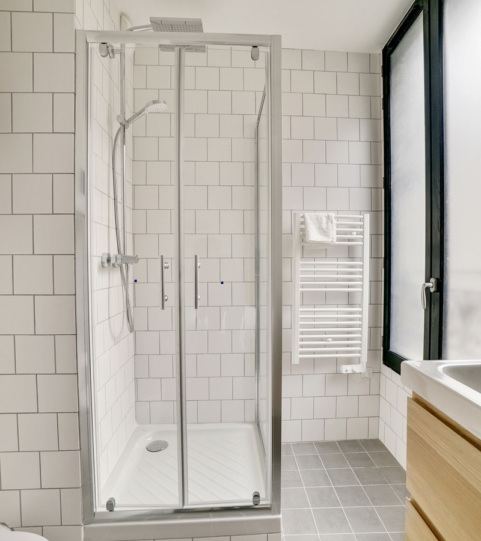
x=256 y=498
x=110 y=505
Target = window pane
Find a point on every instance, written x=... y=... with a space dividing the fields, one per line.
x=408 y=194
x=462 y=292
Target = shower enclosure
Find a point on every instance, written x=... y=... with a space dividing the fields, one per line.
x=178 y=215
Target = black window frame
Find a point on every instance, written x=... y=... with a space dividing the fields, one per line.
x=432 y=12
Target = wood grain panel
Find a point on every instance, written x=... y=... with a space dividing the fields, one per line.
x=416 y=528
x=443 y=475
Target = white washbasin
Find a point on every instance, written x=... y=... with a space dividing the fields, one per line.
x=453 y=387
x=467 y=374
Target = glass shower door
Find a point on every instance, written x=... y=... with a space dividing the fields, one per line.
x=155 y=217
x=225 y=455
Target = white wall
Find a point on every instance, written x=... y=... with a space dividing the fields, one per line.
x=332 y=161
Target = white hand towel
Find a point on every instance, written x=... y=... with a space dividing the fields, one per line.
x=319 y=227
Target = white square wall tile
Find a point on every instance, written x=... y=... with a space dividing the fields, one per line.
x=313 y=60
x=53 y=153
x=55 y=314
x=15 y=152
x=20 y=471
x=32 y=194
x=54 y=72
x=302 y=81
x=40 y=507
x=16 y=70
x=291 y=59
x=57 y=393
x=60 y=469
x=335 y=61
x=35 y=354
x=220 y=102
x=38 y=432
x=16 y=315
x=54 y=234
x=358 y=62
x=314 y=104
x=32 y=32
x=32 y=112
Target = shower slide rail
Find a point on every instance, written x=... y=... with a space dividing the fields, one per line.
x=331 y=293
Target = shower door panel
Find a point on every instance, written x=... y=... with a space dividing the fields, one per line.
x=156 y=240
x=223 y=88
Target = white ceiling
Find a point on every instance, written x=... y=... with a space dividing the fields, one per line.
x=335 y=25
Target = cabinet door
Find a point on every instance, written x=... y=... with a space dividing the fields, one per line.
x=443 y=475
x=416 y=528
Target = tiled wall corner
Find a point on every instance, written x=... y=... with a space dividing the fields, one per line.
x=393 y=413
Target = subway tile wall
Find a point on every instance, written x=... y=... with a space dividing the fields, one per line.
x=332 y=162
x=393 y=414
x=39 y=444
x=223 y=90
x=112 y=343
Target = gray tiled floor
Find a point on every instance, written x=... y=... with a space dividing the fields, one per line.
x=342 y=491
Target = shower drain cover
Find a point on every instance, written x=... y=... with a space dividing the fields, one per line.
x=156 y=446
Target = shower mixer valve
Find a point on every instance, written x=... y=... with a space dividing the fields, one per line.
x=116 y=260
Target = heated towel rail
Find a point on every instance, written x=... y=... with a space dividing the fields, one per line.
x=331 y=299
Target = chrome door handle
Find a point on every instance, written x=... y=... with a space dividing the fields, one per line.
x=432 y=285
x=196 y=282
x=163 y=297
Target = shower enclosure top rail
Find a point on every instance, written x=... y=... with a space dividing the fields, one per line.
x=181 y=38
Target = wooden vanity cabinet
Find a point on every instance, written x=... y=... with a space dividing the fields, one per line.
x=443 y=477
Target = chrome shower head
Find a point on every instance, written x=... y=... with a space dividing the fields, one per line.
x=172 y=24
x=154 y=106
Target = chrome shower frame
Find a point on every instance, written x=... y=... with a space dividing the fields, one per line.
x=198 y=522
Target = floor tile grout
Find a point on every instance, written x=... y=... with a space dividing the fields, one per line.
x=344 y=449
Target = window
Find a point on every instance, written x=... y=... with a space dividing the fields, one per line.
x=413 y=139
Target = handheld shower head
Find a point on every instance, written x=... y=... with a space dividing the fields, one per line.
x=154 y=106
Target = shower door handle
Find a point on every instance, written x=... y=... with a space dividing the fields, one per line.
x=196 y=282
x=163 y=297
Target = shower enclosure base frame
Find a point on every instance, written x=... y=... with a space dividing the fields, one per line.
x=196 y=525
